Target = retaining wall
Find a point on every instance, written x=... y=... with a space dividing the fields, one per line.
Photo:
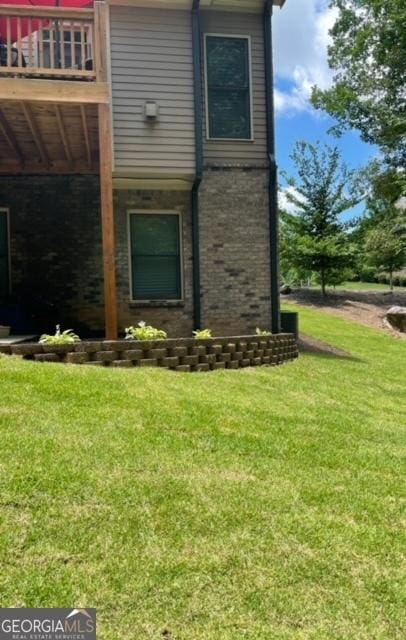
x=183 y=354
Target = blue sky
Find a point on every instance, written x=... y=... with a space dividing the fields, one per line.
x=300 y=52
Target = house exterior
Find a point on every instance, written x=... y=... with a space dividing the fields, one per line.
x=137 y=166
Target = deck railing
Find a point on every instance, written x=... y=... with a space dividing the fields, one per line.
x=47 y=42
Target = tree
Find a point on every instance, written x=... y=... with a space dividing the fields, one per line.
x=316 y=239
x=368 y=56
x=381 y=233
x=385 y=247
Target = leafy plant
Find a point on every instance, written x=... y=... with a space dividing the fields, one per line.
x=60 y=337
x=144 y=332
x=262 y=332
x=202 y=334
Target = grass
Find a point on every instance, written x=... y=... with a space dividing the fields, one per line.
x=258 y=504
x=364 y=286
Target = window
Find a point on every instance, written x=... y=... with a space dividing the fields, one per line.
x=228 y=87
x=68 y=53
x=4 y=254
x=155 y=256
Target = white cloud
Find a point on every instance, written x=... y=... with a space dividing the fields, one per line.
x=301 y=38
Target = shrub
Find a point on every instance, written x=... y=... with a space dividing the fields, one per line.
x=262 y=332
x=144 y=332
x=60 y=337
x=202 y=334
x=367 y=274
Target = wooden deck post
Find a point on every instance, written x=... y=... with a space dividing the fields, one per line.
x=106 y=176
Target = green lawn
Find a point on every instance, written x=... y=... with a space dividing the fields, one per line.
x=363 y=286
x=261 y=504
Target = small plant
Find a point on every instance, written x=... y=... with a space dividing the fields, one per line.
x=60 y=337
x=202 y=334
x=144 y=332
x=262 y=332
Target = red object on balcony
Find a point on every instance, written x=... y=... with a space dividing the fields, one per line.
x=67 y=4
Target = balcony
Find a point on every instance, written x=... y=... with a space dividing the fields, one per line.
x=53 y=79
x=47 y=42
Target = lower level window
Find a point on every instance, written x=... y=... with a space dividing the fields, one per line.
x=4 y=254
x=155 y=256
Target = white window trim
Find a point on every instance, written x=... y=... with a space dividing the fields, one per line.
x=6 y=210
x=171 y=212
x=206 y=87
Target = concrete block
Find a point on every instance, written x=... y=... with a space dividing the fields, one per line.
x=224 y=357
x=77 y=357
x=216 y=348
x=106 y=356
x=133 y=354
x=148 y=362
x=190 y=360
x=157 y=353
x=238 y=355
x=178 y=352
x=203 y=366
x=114 y=345
x=233 y=364
x=26 y=349
x=89 y=346
x=47 y=357
x=169 y=361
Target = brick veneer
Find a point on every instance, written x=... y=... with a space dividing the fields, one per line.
x=183 y=354
x=56 y=254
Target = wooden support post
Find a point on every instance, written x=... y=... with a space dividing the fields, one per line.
x=107 y=216
x=106 y=176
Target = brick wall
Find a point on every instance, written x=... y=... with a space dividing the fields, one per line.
x=234 y=235
x=56 y=251
x=55 y=238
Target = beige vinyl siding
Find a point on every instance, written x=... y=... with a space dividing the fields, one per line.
x=231 y=151
x=151 y=59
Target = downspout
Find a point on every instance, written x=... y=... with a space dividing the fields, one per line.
x=273 y=170
x=197 y=79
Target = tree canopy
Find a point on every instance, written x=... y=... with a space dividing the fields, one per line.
x=314 y=239
x=368 y=56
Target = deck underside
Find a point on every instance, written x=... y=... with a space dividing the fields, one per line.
x=48 y=138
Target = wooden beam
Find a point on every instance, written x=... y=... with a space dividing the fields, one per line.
x=10 y=138
x=53 y=91
x=35 y=133
x=107 y=215
x=106 y=175
x=86 y=134
x=58 y=167
x=58 y=13
x=62 y=133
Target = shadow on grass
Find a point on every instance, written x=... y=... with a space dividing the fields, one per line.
x=307 y=344
x=345 y=298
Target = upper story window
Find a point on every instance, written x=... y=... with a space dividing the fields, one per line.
x=228 y=87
